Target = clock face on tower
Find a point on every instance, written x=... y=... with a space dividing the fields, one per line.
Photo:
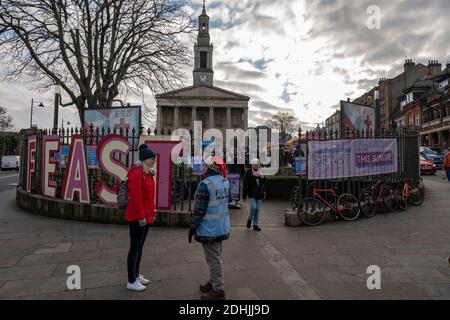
x=203 y=77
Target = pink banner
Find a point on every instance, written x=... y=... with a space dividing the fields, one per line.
x=331 y=159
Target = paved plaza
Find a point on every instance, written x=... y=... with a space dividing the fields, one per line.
x=326 y=262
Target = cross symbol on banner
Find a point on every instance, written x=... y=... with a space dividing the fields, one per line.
x=368 y=123
x=122 y=125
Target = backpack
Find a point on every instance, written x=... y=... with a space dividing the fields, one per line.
x=122 y=195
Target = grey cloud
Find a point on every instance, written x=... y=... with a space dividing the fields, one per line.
x=233 y=71
x=407 y=28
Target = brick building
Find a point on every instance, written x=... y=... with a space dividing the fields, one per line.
x=426 y=105
x=391 y=89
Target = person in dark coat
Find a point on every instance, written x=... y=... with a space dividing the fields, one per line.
x=254 y=190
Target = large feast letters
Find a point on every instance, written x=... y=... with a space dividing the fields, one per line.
x=163 y=150
x=76 y=179
x=31 y=160
x=76 y=176
x=109 y=145
x=48 y=165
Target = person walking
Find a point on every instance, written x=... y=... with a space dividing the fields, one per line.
x=210 y=224
x=446 y=164
x=140 y=213
x=254 y=190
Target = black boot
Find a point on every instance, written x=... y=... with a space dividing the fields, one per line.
x=249 y=223
x=213 y=295
x=256 y=228
x=206 y=287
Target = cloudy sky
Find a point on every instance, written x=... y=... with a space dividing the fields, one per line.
x=299 y=55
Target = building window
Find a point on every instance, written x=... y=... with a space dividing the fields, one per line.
x=409 y=97
x=417 y=120
x=402 y=104
x=443 y=85
x=203 y=59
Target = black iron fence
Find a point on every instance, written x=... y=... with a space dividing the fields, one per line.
x=408 y=159
x=184 y=182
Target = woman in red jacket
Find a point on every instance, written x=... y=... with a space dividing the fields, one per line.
x=140 y=213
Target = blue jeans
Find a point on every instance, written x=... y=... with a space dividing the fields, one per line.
x=255 y=205
x=448 y=174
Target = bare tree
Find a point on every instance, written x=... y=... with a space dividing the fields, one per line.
x=6 y=121
x=95 y=49
x=285 y=122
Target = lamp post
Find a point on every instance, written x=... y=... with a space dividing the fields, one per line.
x=56 y=107
x=62 y=124
x=31 y=115
x=377 y=111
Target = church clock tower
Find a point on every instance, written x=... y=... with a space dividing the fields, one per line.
x=203 y=52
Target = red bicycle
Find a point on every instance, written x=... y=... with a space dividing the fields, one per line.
x=312 y=210
x=377 y=194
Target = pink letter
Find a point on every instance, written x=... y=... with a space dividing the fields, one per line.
x=76 y=177
x=49 y=144
x=30 y=162
x=108 y=146
x=163 y=149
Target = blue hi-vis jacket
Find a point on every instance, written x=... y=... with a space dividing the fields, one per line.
x=216 y=221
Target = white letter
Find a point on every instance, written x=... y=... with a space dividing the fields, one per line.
x=374 y=21
x=74 y=281
x=374 y=281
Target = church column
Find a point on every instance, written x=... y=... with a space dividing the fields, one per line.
x=193 y=116
x=158 y=118
x=211 y=117
x=176 y=118
x=245 y=118
x=228 y=118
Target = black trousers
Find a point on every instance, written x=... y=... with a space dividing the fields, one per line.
x=138 y=235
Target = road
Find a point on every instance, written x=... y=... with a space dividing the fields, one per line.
x=325 y=262
x=8 y=180
x=438 y=177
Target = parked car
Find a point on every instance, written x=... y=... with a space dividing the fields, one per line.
x=439 y=151
x=429 y=154
x=427 y=166
x=10 y=163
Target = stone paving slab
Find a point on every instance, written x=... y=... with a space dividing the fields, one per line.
x=325 y=262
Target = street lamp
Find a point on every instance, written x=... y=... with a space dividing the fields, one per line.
x=376 y=95
x=62 y=124
x=56 y=106
x=31 y=116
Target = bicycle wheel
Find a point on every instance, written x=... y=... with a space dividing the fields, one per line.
x=402 y=203
x=311 y=212
x=177 y=191
x=368 y=208
x=389 y=199
x=294 y=198
x=348 y=206
x=417 y=196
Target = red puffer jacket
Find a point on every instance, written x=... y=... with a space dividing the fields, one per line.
x=141 y=196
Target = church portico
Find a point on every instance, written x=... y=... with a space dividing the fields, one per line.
x=216 y=107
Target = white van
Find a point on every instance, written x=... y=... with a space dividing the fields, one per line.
x=10 y=163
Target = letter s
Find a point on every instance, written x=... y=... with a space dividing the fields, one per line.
x=108 y=146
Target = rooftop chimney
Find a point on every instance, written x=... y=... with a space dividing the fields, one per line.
x=434 y=67
x=409 y=64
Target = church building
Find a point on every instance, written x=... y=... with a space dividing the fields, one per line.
x=215 y=107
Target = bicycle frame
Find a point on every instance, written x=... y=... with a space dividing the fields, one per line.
x=407 y=190
x=316 y=195
x=378 y=186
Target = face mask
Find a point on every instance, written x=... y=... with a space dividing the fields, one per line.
x=148 y=169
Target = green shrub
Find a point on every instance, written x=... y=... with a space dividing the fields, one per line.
x=279 y=187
